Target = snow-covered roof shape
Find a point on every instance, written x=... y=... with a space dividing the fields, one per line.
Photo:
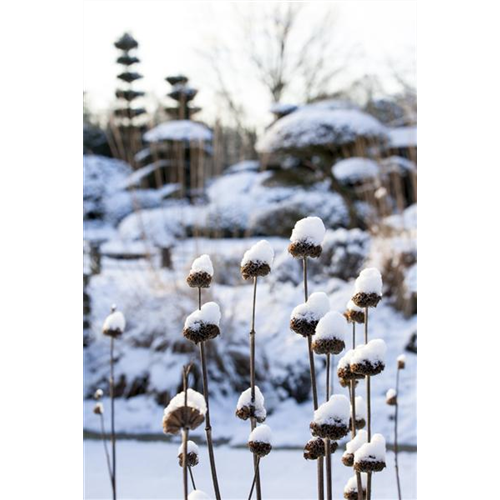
x=403 y=137
x=314 y=125
x=179 y=130
x=355 y=169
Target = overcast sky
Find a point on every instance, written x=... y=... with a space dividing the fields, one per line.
x=172 y=33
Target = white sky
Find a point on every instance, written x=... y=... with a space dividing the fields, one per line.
x=171 y=34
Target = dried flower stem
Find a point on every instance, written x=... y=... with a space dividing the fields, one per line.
x=253 y=422
x=106 y=451
x=256 y=471
x=185 y=433
x=192 y=477
x=321 y=492
x=208 y=427
x=369 y=413
x=353 y=414
x=328 y=454
x=112 y=397
x=396 y=447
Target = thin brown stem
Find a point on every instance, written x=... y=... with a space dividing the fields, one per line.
x=106 y=451
x=185 y=433
x=112 y=397
x=369 y=413
x=255 y=476
x=328 y=455
x=396 y=447
x=192 y=477
x=353 y=415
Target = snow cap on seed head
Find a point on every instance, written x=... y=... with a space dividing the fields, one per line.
x=309 y=230
x=192 y=447
x=261 y=434
x=352 y=484
x=332 y=325
x=198 y=495
x=202 y=264
x=316 y=307
x=401 y=361
x=114 y=322
x=361 y=411
x=375 y=449
x=336 y=408
x=245 y=399
x=373 y=351
x=351 y=306
x=356 y=442
x=98 y=394
x=260 y=252
x=194 y=400
x=208 y=314
x=369 y=281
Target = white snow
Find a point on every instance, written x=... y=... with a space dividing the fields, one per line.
x=332 y=325
x=198 y=495
x=373 y=351
x=361 y=410
x=194 y=400
x=261 y=252
x=98 y=394
x=369 y=281
x=192 y=447
x=203 y=264
x=100 y=406
x=359 y=440
x=402 y=358
x=179 y=130
x=403 y=137
x=243 y=166
x=352 y=484
x=315 y=308
x=335 y=409
x=374 y=450
x=355 y=170
x=115 y=321
x=261 y=434
x=208 y=314
x=346 y=359
x=245 y=399
x=391 y=393
x=351 y=306
x=309 y=230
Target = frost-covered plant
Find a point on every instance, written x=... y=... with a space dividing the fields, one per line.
x=113 y=327
x=352 y=446
x=370 y=457
x=257 y=261
x=200 y=326
x=351 y=488
x=193 y=460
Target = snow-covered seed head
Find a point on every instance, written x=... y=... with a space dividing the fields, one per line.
x=198 y=495
x=354 y=314
x=192 y=454
x=306 y=239
x=260 y=440
x=98 y=394
x=203 y=324
x=330 y=333
x=369 y=359
x=98 y=409
x=114 y=324
x=315 y=448
x=201 y=273
x=370 y=457
x=401 y=362
x=258 y=260
x=177 y=416
x=246 y=409
x=331 y=419
x=391 y=397
x=368 y=288
x=344 y=370
x=351 y=446
x=305 y=317
x=351 y=488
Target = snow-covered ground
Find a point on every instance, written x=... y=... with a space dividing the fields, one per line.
x=147 y=470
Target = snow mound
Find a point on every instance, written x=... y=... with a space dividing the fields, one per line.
x=194 y=400
x=361 y=411
x=359 y=440
x=243 y=166
x=319 y=126
x=369 y=281
x=309 y=230
x=373 y=351
x=314 y=309
x=245 y=399
x=260 y=252
x=261 y=434
x=209 y=314
x=203 y=264
x=332 y=325
x=337 y=408
x=179 y=130
x=192 y=448
x=354 y=170
x=374 y=450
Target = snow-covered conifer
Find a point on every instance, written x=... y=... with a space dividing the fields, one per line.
x=201 y=273
x=305 y=317
x=203 y=324
x=306 y=239
x=258 y=260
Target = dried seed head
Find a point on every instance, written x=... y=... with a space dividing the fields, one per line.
x=257 y=260
x=203 y=333
x=303 y=326
x=367 y=367
x=401 y=362
x=369 y=465
x=301 y=249
x=98 y=394
x=348 y=459
x=199 y=279
x=98 y=409
x=391 y=397
x=253 y=269
x=362 y=299
x=259 y=448
x=328 y=346
x=316 y=448
x=259 y=441
x=178 y=416
x=334 y=431
x=114 y=324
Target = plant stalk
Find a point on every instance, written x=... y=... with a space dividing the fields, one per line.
x=256 y=470
x=328 y=455
x=192 y=477
x=369 y=413
x=112 y=397
x=108 y=461
x=353 y=415
x=396 y=447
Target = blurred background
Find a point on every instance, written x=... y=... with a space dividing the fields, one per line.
x=208 y=126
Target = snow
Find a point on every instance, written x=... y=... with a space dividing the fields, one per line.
x=100 y=406
x=359 y=440
x=261 y=252
x=194 y=400
x=179 y=130
x=98 y=394
x=374 y=450
x=373 y=351
x=245 y=399
x=361 y=411
x=337 y=408
x=319 y=126
x=332 y=325
x=345 y=360
x=115 y=321
x=314 y=309
x=391 y=393
x=261 y=434
x=203 y=264
x=397 y=164
x=309 y=230
x=351 y=306
x=208 y=314
x=352 y=484
x=243 y=166
x=369 y=281
x=402 y=358
x=198 y=495
x=192 y=447
x=355 y=169
x=403 y=137
x=279 y=108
